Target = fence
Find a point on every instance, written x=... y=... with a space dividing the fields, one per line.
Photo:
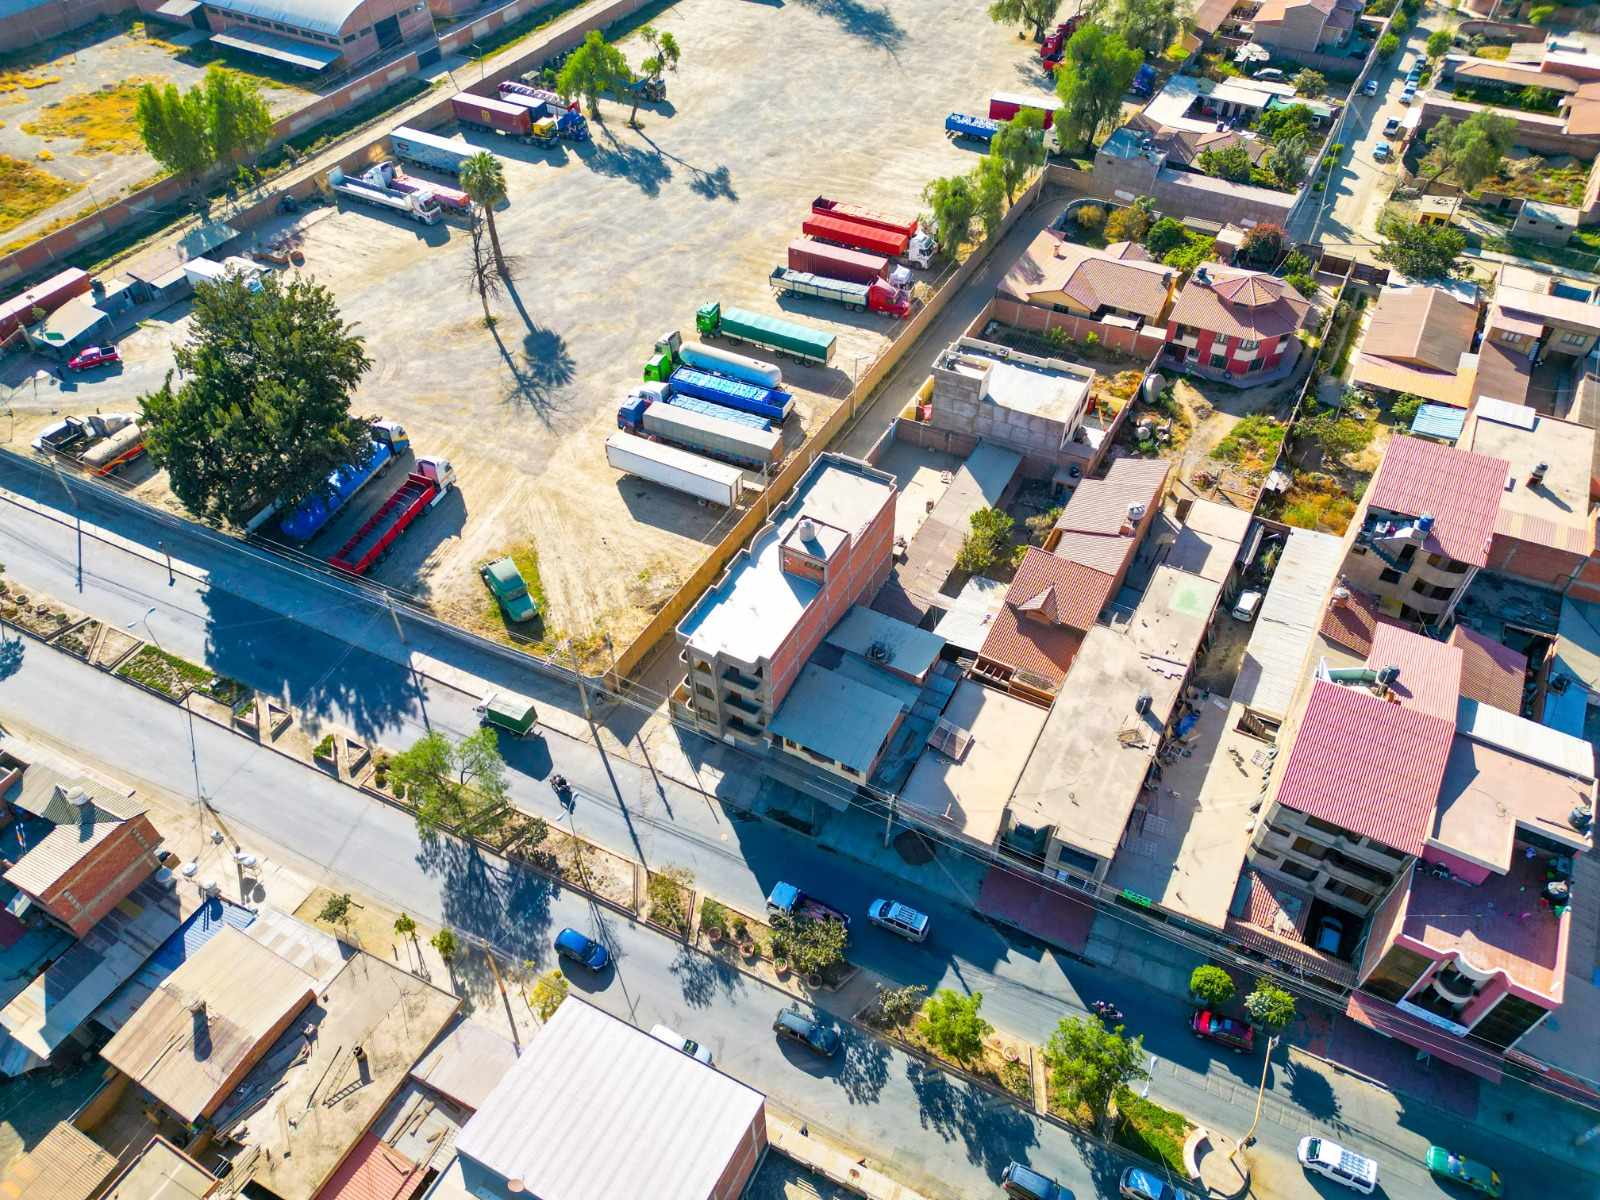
x=711 y=567
x=1142 y=342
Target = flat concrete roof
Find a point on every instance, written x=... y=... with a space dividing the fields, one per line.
x=467 y=1064
x=1089 y=765
x=304 y=1114
x=892 y=644
x=966 y=623
x=162 y=1172
x=969 y=796
x=1208 y=542
x=837 y=716
x=1561 y=498
x=756 y=604
x=1021 y=382
x=1291 y=614
x=1487 y=795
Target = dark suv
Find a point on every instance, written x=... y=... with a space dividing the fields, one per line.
x=1024 y=1183
x=793 y=1024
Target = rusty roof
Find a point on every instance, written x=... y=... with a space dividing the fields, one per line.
x=1116 y=277
x=1050 y=605
x=373 y=1171
x=1490 y=672
x=1460 y=490
x=1430 y=671
x=1349 y=621
x=1422 y=326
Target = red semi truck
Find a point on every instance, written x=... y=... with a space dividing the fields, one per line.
x=822 y=206
x=422 y=489
x=835 y=262
x=1005 y=105
x=918 y=249
x=1055 y=42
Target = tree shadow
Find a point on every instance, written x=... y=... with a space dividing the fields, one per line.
x=872 y=23
x=539 y=369
x=647 y=170
x=488 y=899
x=994 y=1131
x=1310 y=1090
x=863 y=1067
x=11 y=654
x=715 y=184
x=702 y=976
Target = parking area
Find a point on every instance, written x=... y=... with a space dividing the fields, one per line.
x=67 y=106
x=620 y=241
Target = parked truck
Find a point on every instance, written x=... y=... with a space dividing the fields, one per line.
x=1055 y=42
x=784 y=338
x=390 y=175
x=789 y=901
x=544 y=105
x=491 y=113
x=836 y=262
x=423 y=488
x=878 y=296
x=1005 y=105
x=774 y=404
x=99 y=443
x=316 y=510
x=430 y=150
x=420 y=206
x=662 y=393
x=671 y=353
x=704 y=432
x=870 y=239
x=713 y=482
x=920 y=248
x=964 y=125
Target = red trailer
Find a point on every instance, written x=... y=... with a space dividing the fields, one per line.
x=835 y=262
x=422 y=489
x=857 y=236
x=490 y=112
x=49 y=296
x=1005 y=105
x=824 y=207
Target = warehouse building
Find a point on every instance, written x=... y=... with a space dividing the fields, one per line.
x=313 y=35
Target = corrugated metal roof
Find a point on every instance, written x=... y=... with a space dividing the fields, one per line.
x=910 y=650
x=1526 y=739
x=466 y=1065
x=1441 y=421
x=320 y=16
x=596 y=1110
x=277 y=47
x=1430 y=671
x=1367 y=765
x=1460 y=490
x=65 y=1165
x=837 y=717
x=1291 y=614
x=62 y=849
x=210 y=919
x=373 y=1171
x=1102 y=506
x=1490 y=672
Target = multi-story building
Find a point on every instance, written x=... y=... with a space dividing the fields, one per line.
x=1233 y=323
x=1424 y=527
x=1306 y=25
x=311 y=35
x=747 y=640
x=1419 y=343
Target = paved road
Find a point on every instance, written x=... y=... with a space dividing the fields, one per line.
x=622 y=805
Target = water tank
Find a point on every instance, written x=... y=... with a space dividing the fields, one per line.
x=1153 y=384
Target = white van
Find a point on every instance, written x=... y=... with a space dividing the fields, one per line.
x=1333 y=1161
x=1245 y=610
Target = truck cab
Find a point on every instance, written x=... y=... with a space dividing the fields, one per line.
x=509 y=589
x=788 y=900
x=392 y=434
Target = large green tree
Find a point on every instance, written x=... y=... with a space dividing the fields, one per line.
x=664 y=55
x=237 y=120
x=952 y=205
x=592 y=70
x=484 y=179
x=1088 y=1063
x=1231 y=162
x=172 y=126
x=1419 y=251
x=1096 y=69
x=950 y=1021
x=262 y=414
x=1035 y=14
x=1018 y=148
x=1149 y=25
x=457 y=785
x=1287 y=160
x=1473 y=150
x=989 y=194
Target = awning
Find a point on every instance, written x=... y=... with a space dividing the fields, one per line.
x=275 y=46
x=178 y=10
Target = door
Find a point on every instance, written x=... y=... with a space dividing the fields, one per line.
x=388 y=31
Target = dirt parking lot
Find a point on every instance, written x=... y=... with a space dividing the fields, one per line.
x=620 y=241
x=67 y=106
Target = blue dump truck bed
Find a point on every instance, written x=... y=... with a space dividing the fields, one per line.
x=965 y=125
x=317 y=510
x=772 y=403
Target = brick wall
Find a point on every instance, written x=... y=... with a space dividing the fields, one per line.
x=1143 y=342
x=50 y=18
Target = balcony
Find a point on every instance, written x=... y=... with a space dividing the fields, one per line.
x=740 y=704
x=738 y=679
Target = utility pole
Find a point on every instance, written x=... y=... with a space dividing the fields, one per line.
x=577 y=673
x=77 y=517
x=388 y=602
x=1261 y=1094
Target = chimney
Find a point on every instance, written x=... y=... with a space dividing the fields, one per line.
x=1536 y=476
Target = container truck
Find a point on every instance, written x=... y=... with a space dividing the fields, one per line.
x=431 y=150
x=316 y=510
x=704 y=432
x=878 y=296
x=1055 y=42
x=419 y=206
x=1005 y=105
x=491 y=113
x=789 y=901
x=422 y=489
x=770 y=333
x=672 y=353
x=570 y=124
x=772 y=403
x=964 y=125
x=662 y=393
x=713 y=482
x=100 y=443
x=868 y=239
x=836 y=262
x=920 y=248
x=392 y=176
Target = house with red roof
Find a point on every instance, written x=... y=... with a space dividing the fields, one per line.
x=1424 y=528
x=1236 y=325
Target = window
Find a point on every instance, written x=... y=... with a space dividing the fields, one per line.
x=1297 y=871
x=1250 y=344
x=1309 y=848
x=1389 y=575
x=707 y=693
x=1507 y=1021
x=1396 y=974
x=1512 y=339
x=1256 y=364
x=1358 y=549
x=1574 y=339
x=1219 y=361
x=1353 y=894
x=1327 y=827
x=1406 y=555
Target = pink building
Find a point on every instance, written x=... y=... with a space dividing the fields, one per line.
x=746 y=641
x=1235 y=323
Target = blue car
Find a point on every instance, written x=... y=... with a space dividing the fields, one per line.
x=1140 y=1184
x=572 y=945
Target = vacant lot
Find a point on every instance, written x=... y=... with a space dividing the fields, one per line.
x=68 y=106
x=620 y=241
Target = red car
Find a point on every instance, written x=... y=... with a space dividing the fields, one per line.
x=94 y=356
x=1235 y=1035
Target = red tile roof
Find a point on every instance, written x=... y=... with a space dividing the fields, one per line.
x=1460 y=490
x=1241 y=304
x=1050 y=605
x=1370 y=766
x=1490 y=672
x=1430 y=671
x=1349 y=622
x=373 y=1171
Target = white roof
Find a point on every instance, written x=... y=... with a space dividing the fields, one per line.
x=1519 y=415
x=1291 y=614
x=596 y=1109
x=1524 y=738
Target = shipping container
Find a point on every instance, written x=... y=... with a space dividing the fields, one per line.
x=960 y=125
x=878 y=296
x=1005 y=105
x=545 y=105
x=836 y=262
x=771 y=403
x=489 y=112
x=824 y=207
x=867 y=238
x=431 y=150
x=447 y=197
x=772 y=333
x=48 y=296
x=714 y=436
x=677 y=469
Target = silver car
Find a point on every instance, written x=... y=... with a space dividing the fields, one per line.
x=899 y=919
x=678 y=1042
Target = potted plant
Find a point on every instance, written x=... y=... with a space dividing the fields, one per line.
x=741 y=934
x=780 y=964
x=714 y=920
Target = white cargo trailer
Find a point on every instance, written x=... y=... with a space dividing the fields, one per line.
x=676 y=469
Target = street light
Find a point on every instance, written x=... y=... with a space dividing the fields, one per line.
x=194 y=751
x=1261 y=1094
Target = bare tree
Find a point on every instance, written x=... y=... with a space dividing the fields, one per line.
x=481 y=273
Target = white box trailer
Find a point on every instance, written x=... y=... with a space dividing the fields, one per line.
x=430 y=150
x=677 y=469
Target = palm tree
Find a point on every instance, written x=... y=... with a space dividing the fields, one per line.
x=483 y=178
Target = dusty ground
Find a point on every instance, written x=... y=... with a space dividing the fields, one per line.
x=84 y=69
x=620 y=242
